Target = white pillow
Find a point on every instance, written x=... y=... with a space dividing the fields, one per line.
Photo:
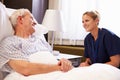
x=40 y=29
x=5 y=25
x=10 y=11
x=43 y=57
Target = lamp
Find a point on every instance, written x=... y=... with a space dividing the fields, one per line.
x=53 y=21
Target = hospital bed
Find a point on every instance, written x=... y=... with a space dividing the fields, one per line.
x=94 y=72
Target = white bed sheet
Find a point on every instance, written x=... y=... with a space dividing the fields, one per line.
x=94 y=72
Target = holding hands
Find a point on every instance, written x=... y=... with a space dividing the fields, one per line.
x=65 y=65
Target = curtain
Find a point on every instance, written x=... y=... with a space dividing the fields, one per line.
x=72 y=11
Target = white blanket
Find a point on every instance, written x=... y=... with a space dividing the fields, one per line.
x=93 y=72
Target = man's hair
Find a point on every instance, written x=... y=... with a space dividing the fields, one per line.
x=16 y=14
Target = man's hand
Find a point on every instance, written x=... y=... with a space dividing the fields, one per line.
x=65 y=65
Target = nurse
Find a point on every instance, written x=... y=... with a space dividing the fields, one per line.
x=101 y=45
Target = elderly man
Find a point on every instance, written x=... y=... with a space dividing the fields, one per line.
x=15 y=50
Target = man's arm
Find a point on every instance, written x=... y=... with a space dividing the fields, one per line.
x=28 y=68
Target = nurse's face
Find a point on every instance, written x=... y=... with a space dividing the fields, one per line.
x=89 y=23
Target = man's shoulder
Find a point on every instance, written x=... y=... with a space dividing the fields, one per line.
x=40 y=37
x=8 y=39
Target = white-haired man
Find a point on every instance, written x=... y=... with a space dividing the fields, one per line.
x=15 y=50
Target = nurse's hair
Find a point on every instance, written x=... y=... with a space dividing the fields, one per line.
x=93 y=14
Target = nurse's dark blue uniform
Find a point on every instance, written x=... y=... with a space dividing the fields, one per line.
x=106 y=45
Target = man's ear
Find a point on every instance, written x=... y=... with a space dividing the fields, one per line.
x=20 y=19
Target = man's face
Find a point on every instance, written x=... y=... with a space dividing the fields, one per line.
x=29 y=23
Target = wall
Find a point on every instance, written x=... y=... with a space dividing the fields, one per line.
x=54 y=4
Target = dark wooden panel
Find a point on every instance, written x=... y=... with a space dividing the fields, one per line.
x=19 y=4
x=0 y=0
